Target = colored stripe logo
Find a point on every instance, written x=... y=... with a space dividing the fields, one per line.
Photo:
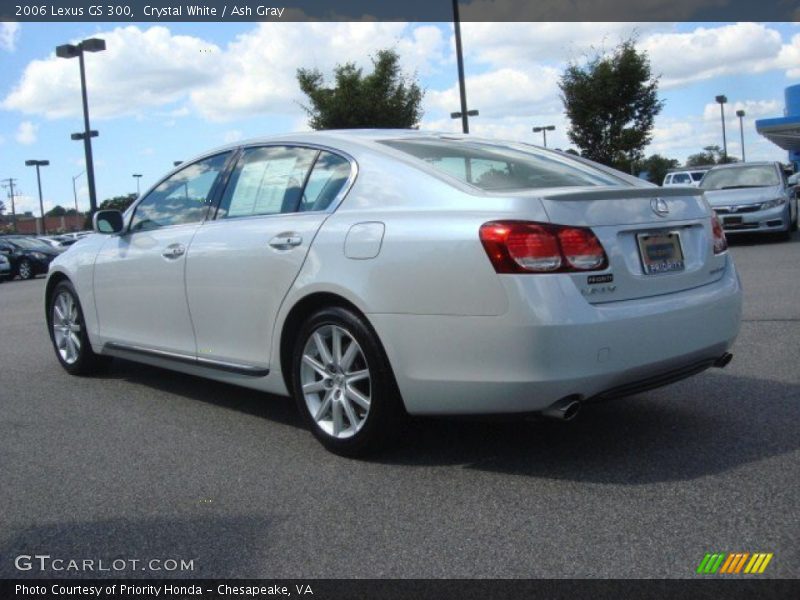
x=734 y=563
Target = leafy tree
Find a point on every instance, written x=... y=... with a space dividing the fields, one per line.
x=386 y=98
x=117 y=202
x=56 y=211
x=711 y=155
x=612 y=101
x=656 y=167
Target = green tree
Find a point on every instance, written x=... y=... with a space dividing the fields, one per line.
x=611 y=101
x=386 y=98
x=56 y=211
x=711 y=155
x=656 y=167
x=118 y=202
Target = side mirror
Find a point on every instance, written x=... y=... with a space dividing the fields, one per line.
x=107 y=221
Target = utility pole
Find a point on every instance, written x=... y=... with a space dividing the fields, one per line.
x=462 y=86
x=9 y=183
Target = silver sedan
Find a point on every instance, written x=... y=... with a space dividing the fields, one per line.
x=379 y=274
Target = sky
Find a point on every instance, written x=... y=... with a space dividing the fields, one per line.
x=167 y=92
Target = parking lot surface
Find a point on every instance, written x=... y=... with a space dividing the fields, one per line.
x=142 y=463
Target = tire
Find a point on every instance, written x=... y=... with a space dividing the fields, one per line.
x=25 y=269
x=351 y=404
x=67 y=329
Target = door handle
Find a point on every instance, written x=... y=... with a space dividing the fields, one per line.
x=285 y=241
x=174 y=251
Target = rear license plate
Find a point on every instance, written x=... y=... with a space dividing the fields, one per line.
x=660 y=252
x=732 y=221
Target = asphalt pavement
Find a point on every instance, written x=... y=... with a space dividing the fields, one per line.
x=142 y=463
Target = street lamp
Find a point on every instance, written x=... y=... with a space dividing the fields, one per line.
x=740 y=114
x=137 y=176
x=721 y=99
x=37 y=164
x=71 y=51
x=544 y=129
x=463 y=114
x=75 y=190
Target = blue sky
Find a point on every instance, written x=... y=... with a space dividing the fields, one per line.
x=164 y=92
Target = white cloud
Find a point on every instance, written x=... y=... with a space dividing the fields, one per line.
x=231 y=136
x=27 y=133
x=259 y=66
x=139 y=69
x=9 y=33
x=504 y=92
x=254 y=74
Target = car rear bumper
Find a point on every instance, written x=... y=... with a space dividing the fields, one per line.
x=557 y=345
x=763 y=221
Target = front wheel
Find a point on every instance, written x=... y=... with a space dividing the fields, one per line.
x=25 y=269
x=343 y=384
x=68 y=332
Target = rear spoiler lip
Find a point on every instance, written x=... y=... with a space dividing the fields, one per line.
x=620 y=193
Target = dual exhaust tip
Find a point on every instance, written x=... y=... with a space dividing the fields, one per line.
x=568 y=407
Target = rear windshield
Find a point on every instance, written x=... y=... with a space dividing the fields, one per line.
x=741 y=177
x=697 y=175
x=493 y=167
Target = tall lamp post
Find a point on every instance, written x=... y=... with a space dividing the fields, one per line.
x=463 y=114
x=721 y=100
x=72 y=51
x=740 y=114
x=544 y=129
x=37 y=164
x=137 y=176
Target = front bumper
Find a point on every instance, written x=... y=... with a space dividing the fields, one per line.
x=559 y=345
x=772 y=220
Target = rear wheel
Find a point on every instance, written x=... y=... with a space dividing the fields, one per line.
x=25 y=269
x=343 y=384
x=68 y=332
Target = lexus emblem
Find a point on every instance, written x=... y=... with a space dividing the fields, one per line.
x=659 y=206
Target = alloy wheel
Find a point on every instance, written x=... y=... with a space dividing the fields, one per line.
x=67 y=327
x=336 y=382
x=25 y=270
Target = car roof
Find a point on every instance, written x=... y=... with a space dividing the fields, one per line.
x=762 y=163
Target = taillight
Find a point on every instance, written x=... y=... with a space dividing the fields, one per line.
x=526 y=247
x=720 y=243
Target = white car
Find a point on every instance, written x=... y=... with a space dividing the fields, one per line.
x=5 y=268
x=378 y=274
x=687 y=177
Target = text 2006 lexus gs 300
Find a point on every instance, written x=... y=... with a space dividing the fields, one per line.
x=377 y=274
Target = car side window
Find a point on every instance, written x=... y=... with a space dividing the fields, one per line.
x=267 y=181
x=180 y=199
x=329 y=176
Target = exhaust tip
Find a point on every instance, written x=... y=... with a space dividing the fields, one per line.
x=723 y=360
x=565 y=409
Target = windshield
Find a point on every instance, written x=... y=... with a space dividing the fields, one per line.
x=30 y=244
x=500 y=168
x=741 y=177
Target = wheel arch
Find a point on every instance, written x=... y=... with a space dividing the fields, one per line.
x=52 y=281
x=304 y=308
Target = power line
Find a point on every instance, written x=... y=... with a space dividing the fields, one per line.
x=9 y=184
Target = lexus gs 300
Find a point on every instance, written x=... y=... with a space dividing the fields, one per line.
x=374 y=275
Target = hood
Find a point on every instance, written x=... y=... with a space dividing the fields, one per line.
x=740 y=196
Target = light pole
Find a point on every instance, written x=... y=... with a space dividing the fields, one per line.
x=75 y=190
x=740 y=114
x=137 y=176
x=544 y=129
x=37 y=164
x=721 y=99
x=71 y=51
x=463 y=114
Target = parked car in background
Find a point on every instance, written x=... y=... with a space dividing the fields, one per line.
x=685 y=177
x=55 y=241
x=5 y=268
x=379 y=273
x=28 y=256
x=752 y=198
x=793 y=182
